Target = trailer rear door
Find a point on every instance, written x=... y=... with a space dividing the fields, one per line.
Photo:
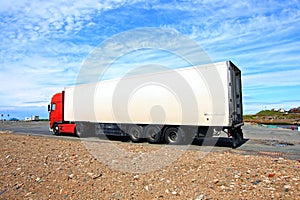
x=235 y=94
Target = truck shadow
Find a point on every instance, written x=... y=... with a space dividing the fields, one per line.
x=216 y=141
x=211 y=141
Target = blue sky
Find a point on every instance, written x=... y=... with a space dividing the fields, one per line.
x=44 y=43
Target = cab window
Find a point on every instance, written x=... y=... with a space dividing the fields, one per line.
x=53 y=106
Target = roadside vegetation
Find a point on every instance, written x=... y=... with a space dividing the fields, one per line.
x=273 y=117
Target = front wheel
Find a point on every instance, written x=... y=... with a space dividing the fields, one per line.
x=55 y=129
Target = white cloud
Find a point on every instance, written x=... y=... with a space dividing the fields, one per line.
x=43 y=43
x=273 y=79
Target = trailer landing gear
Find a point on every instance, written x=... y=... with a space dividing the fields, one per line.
x=237 y=137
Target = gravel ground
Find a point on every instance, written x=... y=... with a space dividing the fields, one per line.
x=34 y=167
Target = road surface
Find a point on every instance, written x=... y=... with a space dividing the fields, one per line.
x=258 y=139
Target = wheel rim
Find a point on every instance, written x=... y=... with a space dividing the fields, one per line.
x=153 y=135
x=172 y=136
x=56 y=129
x=135 y=134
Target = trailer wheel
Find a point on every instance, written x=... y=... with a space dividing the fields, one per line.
x=134 y=133
x=153 y=134
x=84 y=129
x=174 y=135
x=79 y=130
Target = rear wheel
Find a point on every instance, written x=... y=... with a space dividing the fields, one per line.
x=153 y=134
x=134 y=133
x=83 y=130
x=174 y=135
x=79 y=130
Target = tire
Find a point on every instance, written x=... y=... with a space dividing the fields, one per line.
x=134 y=133
x=55 y=129
x=153 y=134
x=79 y=130
x=174 y=135
x=84 y=130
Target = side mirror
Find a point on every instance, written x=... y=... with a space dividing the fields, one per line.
x=49 y=108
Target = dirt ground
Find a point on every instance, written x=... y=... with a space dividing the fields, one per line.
x=34 y=167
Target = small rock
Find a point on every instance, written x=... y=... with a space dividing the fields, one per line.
x=215 y=181
x=8 y=156
x=287 y=186
x=70 y=176
x=136 y=177
x=18 y=186
x=271 y=175
x=167 y=191
x=2 y=191
x=267 y=181
x=174 y=192
x=97 y=176
x=147 y=187
x=29 y=193
x=90 y=174
x=38 y=179
x=256 y=182
x=200 y=197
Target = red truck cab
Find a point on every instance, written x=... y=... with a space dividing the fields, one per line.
x=56 y=116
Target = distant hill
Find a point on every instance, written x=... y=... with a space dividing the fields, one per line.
x=295 y=110
x=268 y=113
x=275 y=116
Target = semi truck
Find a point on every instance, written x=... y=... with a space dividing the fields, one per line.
x=172 y=107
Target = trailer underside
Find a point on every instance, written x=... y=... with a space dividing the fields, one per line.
x=159 y=133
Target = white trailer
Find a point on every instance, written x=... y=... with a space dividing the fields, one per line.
x=172 y=106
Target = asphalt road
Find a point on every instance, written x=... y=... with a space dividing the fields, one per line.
x=258 y=139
